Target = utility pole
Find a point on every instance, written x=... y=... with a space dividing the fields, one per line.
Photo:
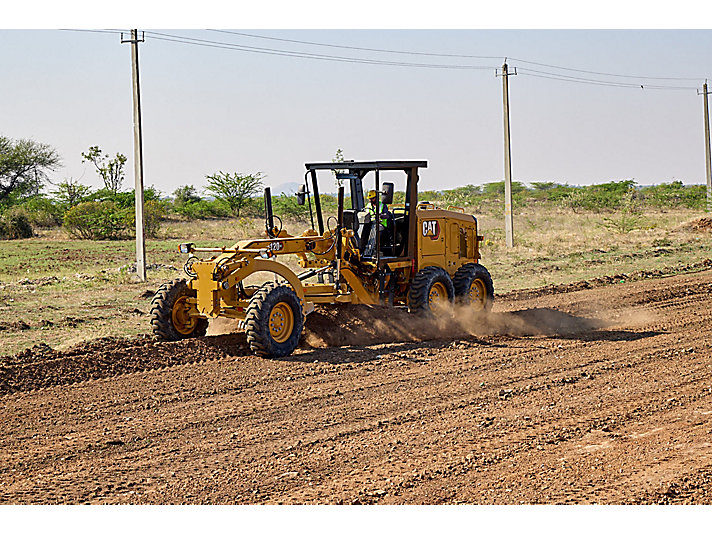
x=708 y=158
x=508 y=220
x=138 y=156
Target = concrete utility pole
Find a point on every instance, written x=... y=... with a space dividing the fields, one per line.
x=138 y=157
x=708 y=158
x=508 y=220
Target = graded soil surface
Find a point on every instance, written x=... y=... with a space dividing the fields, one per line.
x=590 y=394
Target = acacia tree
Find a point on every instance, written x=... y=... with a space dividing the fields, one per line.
x=23 y=164
x=70 y=192
x=110 y=170
x=234 y=189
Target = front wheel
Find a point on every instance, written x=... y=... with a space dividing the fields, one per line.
x=473 y=287
x=274 y=321
x=172 y=315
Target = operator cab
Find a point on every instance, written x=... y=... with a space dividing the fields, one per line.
x=393 y=239
x=391 y=225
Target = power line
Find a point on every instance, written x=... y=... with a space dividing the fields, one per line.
x=468 y=56
x=371 y=61
x=589 y=81
x=305 y=55
x=605 y=73
x=115 y=32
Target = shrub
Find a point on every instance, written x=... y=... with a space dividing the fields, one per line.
x=15 y=226
x=203 y=209
x=286 y=206
x=70 y=192
x=97 y=220
x=126 y=199
x=108 y=220
x=186 y=194
x=153 y=214
x=608 y=196
x=41 y=212
x=675 y=194
x=629 y=217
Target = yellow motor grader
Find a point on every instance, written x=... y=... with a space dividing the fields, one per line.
x=413 y=255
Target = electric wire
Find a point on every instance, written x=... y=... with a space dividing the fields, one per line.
x=465 y=56
x=576 y=79
x=305 y=55
x=468 y=56
x=371 y=61
x=116 y=32
x=634 y=76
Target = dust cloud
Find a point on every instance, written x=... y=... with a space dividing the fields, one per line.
x=365 y=325
x=348 y=324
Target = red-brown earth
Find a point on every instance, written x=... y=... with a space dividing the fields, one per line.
x=596 y=393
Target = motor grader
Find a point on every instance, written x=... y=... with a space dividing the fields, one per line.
x=416 y=255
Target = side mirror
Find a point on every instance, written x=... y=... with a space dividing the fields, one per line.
x=301 y=195
x=387 y=193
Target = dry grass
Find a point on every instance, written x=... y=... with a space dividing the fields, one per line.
x=91 y=295
x=558 y=246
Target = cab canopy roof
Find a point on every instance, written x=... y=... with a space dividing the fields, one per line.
x=367 y=165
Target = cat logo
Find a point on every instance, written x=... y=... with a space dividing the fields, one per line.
x=275 y=246
x=431 y=229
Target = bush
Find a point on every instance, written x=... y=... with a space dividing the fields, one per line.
x=97 y=220
x=15 y=226
x=153 y=214
x=287 y=207
x=675 y=194
x=608 y=196
x=41 y=212
x=203 y=209
x=108 y=220
x=126 y=199
x=186 y=194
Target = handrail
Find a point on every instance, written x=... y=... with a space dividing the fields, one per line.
x=451 y=207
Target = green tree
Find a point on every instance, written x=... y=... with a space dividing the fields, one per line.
x=70 y=192
x=186 y=194
x=110 y=170
x=234 y=189
x=23 y=164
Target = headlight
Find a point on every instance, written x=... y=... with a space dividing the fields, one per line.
x=185 y=248
x=266 y=254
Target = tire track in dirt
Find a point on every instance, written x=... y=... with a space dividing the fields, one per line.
x=354 y=427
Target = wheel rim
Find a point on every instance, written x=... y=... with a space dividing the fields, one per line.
x=182 y=321
x=437 y=294
x=478 y=294
x=281 y=322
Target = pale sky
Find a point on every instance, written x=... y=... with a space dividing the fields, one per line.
x=210 y=109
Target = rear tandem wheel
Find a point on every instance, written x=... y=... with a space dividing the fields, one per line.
x=473 y=287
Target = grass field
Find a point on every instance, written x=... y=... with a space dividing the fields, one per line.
x=61 y=291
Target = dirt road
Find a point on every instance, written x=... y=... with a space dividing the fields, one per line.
x=601 y=395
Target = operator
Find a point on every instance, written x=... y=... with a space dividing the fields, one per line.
x=372 y=209
x=375 y=208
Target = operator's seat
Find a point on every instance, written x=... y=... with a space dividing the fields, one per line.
x=367 y=233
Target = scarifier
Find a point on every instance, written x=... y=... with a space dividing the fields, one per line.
x=417 y=256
